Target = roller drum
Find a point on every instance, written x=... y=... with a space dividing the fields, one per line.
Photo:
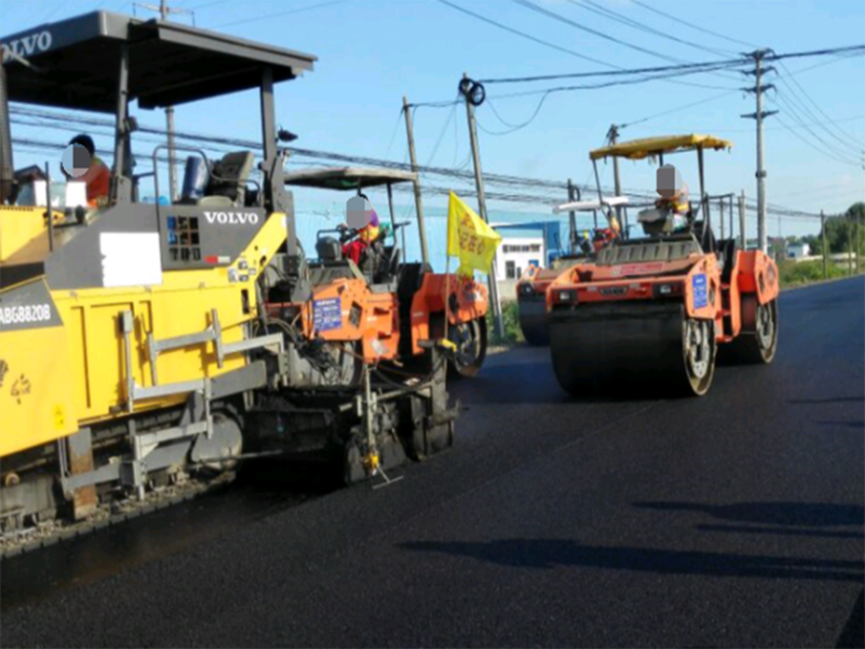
x=628 y=348
x=533 y=320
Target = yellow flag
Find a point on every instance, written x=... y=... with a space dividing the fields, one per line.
x=470 y=239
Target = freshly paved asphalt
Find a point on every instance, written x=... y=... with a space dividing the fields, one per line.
x=734 y=520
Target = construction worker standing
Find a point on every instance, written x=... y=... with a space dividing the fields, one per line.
x=98 y=175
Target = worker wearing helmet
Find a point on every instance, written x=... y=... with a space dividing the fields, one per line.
x=367 y=232
x=98 y=175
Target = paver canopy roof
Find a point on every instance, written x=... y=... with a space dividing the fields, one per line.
x=77 y=63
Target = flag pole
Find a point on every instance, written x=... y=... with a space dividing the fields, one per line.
x=448 y=272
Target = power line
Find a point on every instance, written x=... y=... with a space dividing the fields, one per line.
x=524 y=35
x=492 y=178
x=513 y=127
x=609 y=13
x=609 y=84
x=280 y=13
x=553 y=46
x=568 y=21
x=697 y=27
x=674 y=110
x=818 y=149
x=622 y=71
x=773 y=128
x=589 y=30
x=797 y=117
x=846 y=137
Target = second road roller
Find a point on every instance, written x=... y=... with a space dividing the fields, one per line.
x=653 y=311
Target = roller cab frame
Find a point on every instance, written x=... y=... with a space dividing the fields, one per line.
x=398 y=305
x=531 y=288
x=652 y=313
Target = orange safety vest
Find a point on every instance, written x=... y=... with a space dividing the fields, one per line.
x=98 y=179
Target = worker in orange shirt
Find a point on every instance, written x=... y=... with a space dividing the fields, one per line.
x=98 y=175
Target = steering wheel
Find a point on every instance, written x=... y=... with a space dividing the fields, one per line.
x=346 y=233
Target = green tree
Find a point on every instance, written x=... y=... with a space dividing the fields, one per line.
x=839 y=230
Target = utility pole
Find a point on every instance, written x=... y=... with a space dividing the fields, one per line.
x=850 y=245
x=612 y=138
x=758 y=90
x=742 y=235
x=721 y=201
x=732 y=229
x=424 y=250
x=572 y=218
x=164 y=10
x=825 y=251
x=474 y=98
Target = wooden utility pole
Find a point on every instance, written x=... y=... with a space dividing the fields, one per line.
x=467 y=86
x=825 y=250
x=850 y=245
x=424 y=250
x=742 y=235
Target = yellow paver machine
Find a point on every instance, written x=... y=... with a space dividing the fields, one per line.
x=136 y=358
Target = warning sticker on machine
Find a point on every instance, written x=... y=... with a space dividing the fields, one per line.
x=326 y=314
x=698 y=283
x=638 y=269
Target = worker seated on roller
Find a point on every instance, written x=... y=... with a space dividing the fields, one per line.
x=97 y=175
x=366 y=223
x=674 y=193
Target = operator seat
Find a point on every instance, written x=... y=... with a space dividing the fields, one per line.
x=225 y=182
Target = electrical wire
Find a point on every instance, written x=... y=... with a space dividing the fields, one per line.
x=845 y=138
x=697 y=27
x=432 y=189
x=674 y=110
x=797 y=117
x=514 y=127
x=552 y=45
x=523 y=34
x=320 y=5
x=816 y=148
x=562 y=19
x=622 y=71
x=613 y=15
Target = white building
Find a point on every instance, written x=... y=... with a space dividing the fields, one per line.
x=798 y=250
x=515 y=254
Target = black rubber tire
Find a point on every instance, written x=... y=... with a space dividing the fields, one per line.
x=477 y=330
x=698 y=385
x=760 y=346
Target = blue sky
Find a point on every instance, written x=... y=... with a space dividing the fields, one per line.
x=372 y=52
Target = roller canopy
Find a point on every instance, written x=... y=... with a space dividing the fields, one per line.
x=588 y=206
x=348 y=177
x=639 y=149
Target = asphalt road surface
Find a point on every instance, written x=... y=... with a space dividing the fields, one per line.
x=733 y=520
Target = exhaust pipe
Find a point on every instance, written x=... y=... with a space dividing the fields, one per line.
x=8 y=187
